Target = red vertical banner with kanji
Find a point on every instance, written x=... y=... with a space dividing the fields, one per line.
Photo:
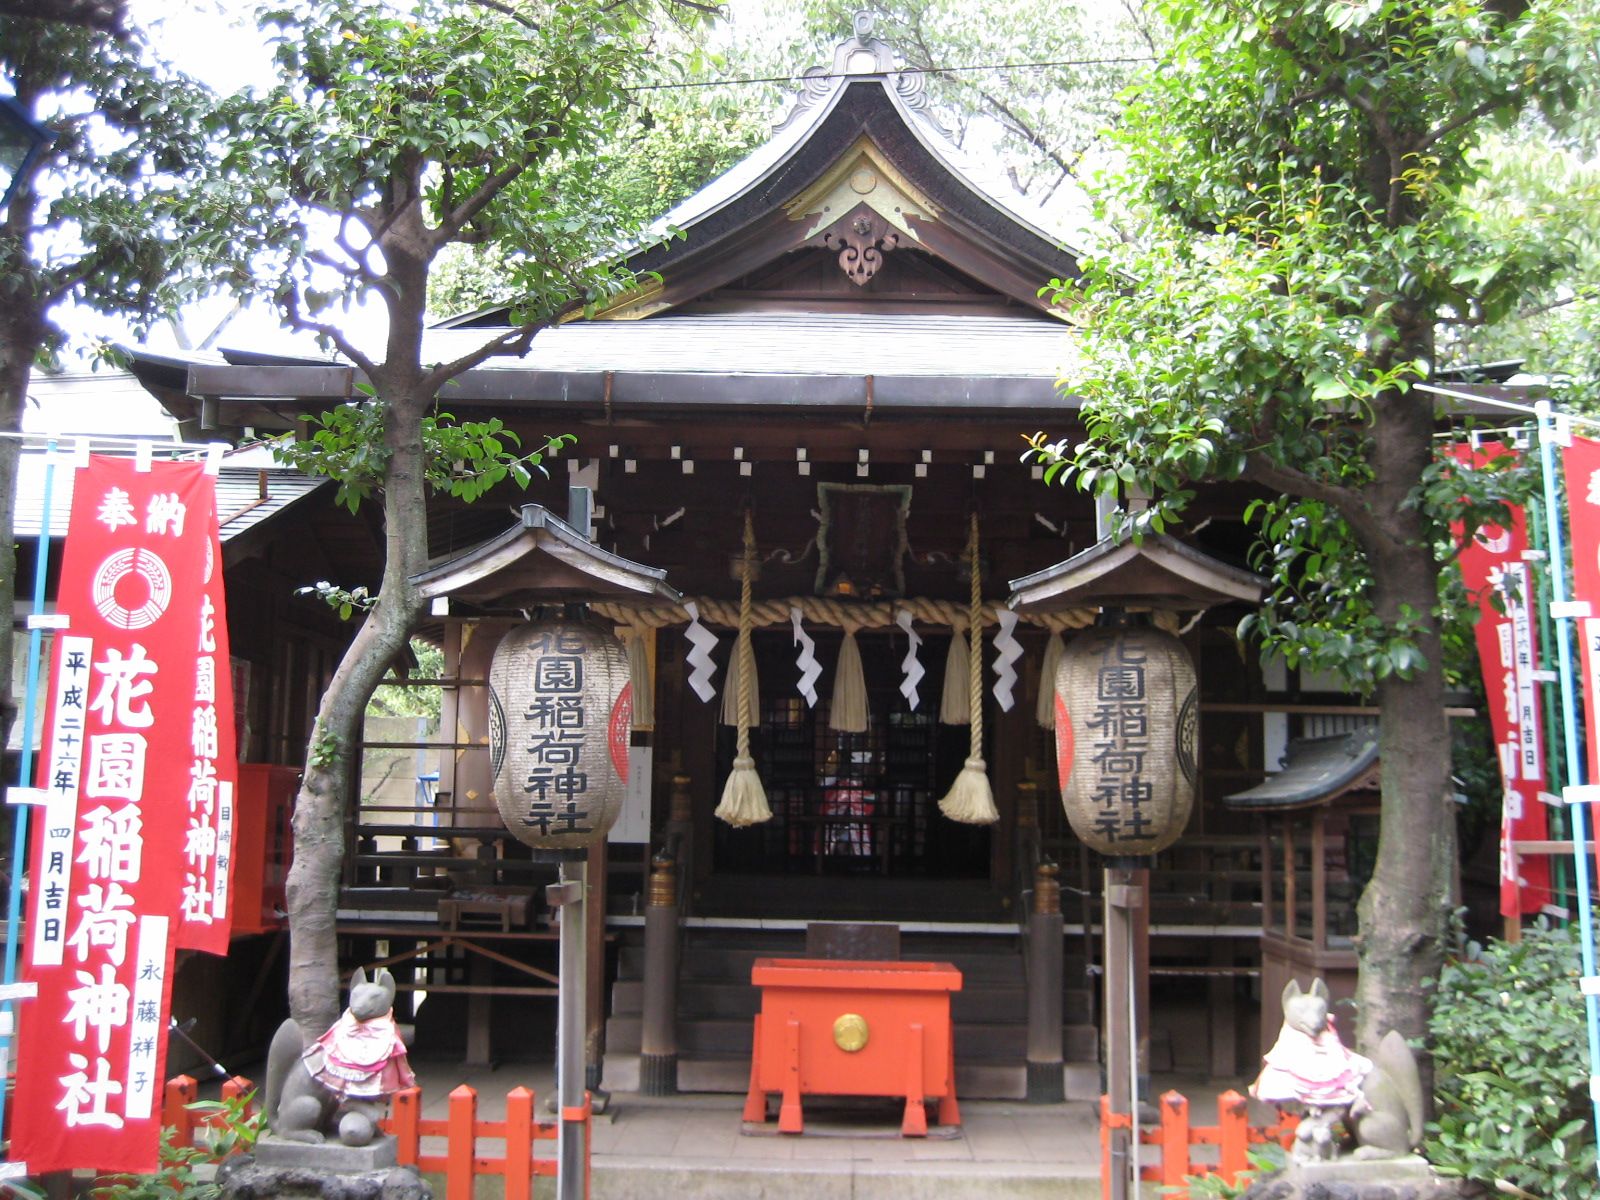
x=124 y=730
x=1581 y=462
x=1494 y=568
x=205 y=907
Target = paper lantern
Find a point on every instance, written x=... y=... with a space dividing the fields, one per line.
x=1127 y=726
x=560 y=714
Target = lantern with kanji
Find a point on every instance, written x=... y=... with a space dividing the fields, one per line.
x=560 y=714
x=1126 y=735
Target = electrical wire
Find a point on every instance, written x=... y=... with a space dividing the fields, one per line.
x=806 y=78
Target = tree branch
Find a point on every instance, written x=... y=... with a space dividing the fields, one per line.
x=289 y=298
x=65 y=279
x=514 y=342
x=1346 y=501
x=453 y=221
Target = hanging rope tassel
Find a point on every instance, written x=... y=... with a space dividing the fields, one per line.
x=744 y=800
x=954 y=706
x=847 y=713
x=971 y=801
x=1044 y=709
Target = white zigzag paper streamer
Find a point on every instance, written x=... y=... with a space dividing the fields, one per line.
x=910 y=664
x=1009 y=651
x=703 y=641
x=810 y=668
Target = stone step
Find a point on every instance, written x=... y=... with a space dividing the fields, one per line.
x=974 y=1080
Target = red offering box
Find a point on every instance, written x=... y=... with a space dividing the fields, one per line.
x=852 y=1028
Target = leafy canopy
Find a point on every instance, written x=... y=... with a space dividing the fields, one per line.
x=95 y=220
x=1295 y=225
x=397 y=131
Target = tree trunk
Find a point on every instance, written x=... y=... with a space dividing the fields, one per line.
x=319 y=819
x=1404 y=912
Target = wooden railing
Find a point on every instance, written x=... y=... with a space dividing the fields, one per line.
x=460 y=1164
x=1233 y=1135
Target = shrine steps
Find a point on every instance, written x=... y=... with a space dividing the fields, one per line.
x=716 y=1006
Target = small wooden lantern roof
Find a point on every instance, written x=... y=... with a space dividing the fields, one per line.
x=1158 y=572
x=542 y=560
x=1316 y=771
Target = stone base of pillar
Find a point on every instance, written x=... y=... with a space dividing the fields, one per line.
x=1045 y=1083
x=658 y=1074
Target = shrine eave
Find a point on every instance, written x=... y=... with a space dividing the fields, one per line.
x=1159 y=572
x=645 y=390
x=541 y=560
x=1316 y=771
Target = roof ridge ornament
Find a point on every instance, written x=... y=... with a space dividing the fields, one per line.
x=863 y=54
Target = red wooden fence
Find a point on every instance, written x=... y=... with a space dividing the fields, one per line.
x=1233 y=1135
x=460 y=1164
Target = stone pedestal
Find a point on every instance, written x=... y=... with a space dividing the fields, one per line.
x=332 y=1157
x=1407 y=1178
x=244 y=1178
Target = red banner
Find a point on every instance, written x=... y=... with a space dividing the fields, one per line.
x=1581 y=461
x=127 y=732
x=205 y=909
x=1495 y=571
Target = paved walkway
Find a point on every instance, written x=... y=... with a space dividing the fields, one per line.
x=696 y=1146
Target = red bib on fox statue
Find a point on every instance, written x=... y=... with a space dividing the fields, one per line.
x=361 y=1060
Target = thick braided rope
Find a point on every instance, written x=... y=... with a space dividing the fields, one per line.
x=827 y=610
x=975 y=646
x=745 y=596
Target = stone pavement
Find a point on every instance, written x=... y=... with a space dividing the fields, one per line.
x=692 y=1147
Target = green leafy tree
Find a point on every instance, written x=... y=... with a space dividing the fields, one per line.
x=1512 y=1076
x=1296 y=204
x=90 y=222
x=393 y=133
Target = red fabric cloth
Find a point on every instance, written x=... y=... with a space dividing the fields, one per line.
x=362 y=1060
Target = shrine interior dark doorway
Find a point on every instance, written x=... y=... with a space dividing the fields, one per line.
x=854 y=805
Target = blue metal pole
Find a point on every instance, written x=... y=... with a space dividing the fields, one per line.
x=19 y=833
x=1575 y=761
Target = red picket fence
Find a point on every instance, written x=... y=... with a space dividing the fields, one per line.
x=1232 y=1134
x=460 y=1164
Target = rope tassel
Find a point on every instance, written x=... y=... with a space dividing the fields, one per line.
x=744 y=800
x=971 y=800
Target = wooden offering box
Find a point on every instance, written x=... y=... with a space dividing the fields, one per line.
x=847 y=1028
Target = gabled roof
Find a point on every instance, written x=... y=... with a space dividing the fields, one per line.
x=857 y=260
x=541 y=560
x=1159 y=572
x=1316 y=771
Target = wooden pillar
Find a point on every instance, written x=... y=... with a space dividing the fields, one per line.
x=1045 y=1065
x=658 y=1045
x=1124 y=897
x=594 y=913
x=679 y=840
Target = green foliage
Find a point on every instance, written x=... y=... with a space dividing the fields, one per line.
x=464 y=458
x=1266 y=1159
x=232 y=1129
x=1294 y=206
x=95 y=219
x=401 y=130
x=1511 y=1080
x=413 y=700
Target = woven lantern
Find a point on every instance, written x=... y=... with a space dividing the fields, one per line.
x=1127 y=727
x=560 y=712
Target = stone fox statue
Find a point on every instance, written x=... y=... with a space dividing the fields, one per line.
x=1378 y=1099
x=339 y=1084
